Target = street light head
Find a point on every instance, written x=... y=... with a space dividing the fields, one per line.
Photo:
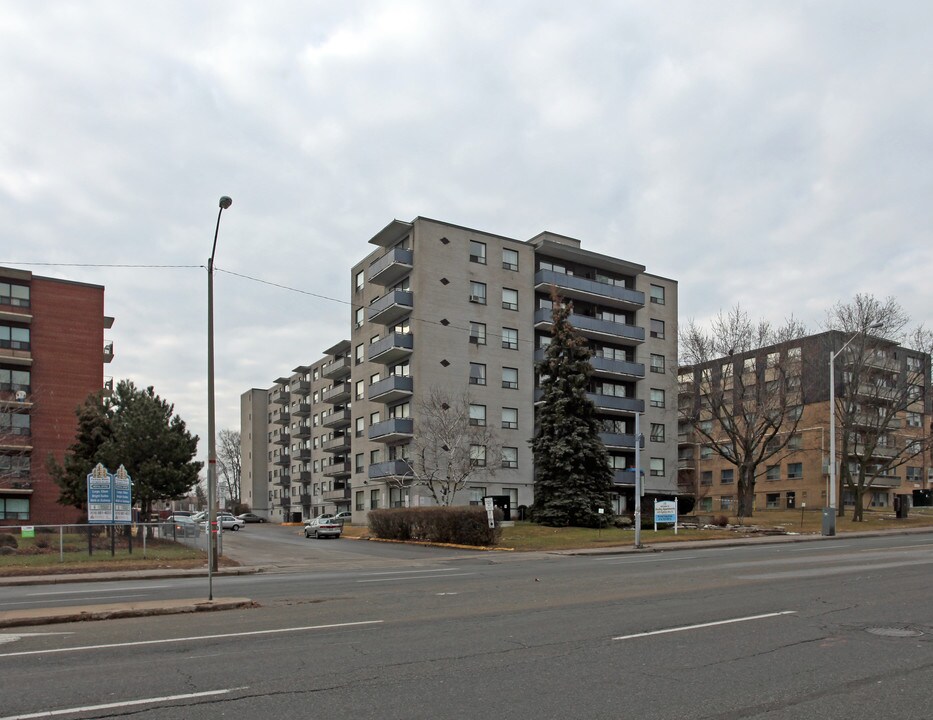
x=875 y=326
x=225 y=202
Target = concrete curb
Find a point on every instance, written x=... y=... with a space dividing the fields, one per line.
x=46 y=616
x=64 y=578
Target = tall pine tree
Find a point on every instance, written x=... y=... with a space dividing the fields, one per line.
x=572 y=473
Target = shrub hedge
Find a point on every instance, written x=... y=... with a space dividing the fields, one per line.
x=458 y=525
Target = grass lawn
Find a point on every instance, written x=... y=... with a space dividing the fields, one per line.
x=40 y=556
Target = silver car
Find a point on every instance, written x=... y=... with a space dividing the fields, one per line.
x=323 y=527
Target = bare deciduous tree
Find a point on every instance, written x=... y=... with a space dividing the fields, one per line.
x=229 y=464
x=880 y=388
x=746 y=398
x=449 y=448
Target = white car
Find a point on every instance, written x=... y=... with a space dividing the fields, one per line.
x=227 y=522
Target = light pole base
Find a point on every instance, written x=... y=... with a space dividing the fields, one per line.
x=829 y=521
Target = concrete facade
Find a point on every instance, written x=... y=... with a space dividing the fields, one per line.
x=440 y=306
x=52 y=352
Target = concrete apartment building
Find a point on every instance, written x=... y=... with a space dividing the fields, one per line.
x=799 y=474
x=52 y=354
x=439 y=306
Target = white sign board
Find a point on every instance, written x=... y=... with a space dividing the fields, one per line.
x=490 y=508
x=109 y=497
x=665 y=511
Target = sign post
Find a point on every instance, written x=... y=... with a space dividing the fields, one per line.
x=490 y=507
x=665 y=511
x=109 y=500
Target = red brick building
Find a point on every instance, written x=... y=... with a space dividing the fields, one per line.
x=52 y=352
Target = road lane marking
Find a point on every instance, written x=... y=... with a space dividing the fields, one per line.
x=420 y=577
x=11 y=637
x=125 y=703
x=71 y=600
x=408 y=572
x=925 y=546
x=87 y=592
x=191 y=638
x=702 y=625
x=817 y=546
x=627 y=561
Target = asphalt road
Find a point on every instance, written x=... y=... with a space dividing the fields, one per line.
x=834 y=629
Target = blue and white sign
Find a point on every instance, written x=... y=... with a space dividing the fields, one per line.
x=109 y=496
x=665 y=511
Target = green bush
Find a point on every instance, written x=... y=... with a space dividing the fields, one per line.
x=458 y=525
x=8 y=540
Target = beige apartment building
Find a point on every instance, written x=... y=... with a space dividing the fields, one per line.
x=440 y=306
x=798 y=476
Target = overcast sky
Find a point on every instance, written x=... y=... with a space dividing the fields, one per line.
x=774 y=154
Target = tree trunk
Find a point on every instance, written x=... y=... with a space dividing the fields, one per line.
x=857 y=510
x=746 y=499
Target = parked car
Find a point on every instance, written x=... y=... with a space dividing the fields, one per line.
x=323 y=526
x=227 y=522
x=343 y=516
x=180 y=526
x=251 y=518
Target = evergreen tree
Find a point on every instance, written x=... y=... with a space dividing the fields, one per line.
x=572 y=474
x=137 y=429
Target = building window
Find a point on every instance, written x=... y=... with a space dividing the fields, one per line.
x=510 y=457
x=509 y=299
x=478 y=455
x=358 y=317
x=360 y=389
x=478 y=292
x=14 y=508
x=374 y=499
x=509 y=259
x=773 y=472
x=402 y=410
x=657 y=294
x=477 y=415
x=360 y=280
x=914 y=419
x=794 y=471
x=375 y=456
x=657 y=329
x=657 y=363
x=477 y=374
x=657 y=467
x=914 y=474
x=793 y=353
x=510 y=338
x=657 y=432
x=706 y=477
x=374 y=418
x=510 y=378
x=16 y=295
x=727 y=476
x=358 y=463
x=509 y=418
x=359 y=353
x=15 y=338
x=795 y=442
x=478 y=333
x=477 y=252
x=657 y=398
x=773 y=501
x=359 y=427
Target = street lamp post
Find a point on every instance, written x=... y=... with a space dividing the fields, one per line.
x=829 y=519
x=225 y=203
x=638 y=481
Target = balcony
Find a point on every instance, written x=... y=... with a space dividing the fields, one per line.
x=339 y=393
x=281 y=397
x=578 y=288
x=391 y=307
x=391 y=468
x=108 y=351
x=594 y=328
x=337 y=368
x=339 y=444
x=606 y=367
x=616 y=441
x=392 y=430
x=302 y=455
x=390 y=389
x=302 y=387
x=885 y=481
x=302 y=409
x=284 y=460
x=337 y=469
x=337 y=418
x=342 y=493
x=285 y=502
x=624 y=477
x=305 y=499
x=281 y=437
x=283 y=418
x=302 y=431
x=612 y=405
x=284 y=479
x=393 y=347
x=391 y=267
